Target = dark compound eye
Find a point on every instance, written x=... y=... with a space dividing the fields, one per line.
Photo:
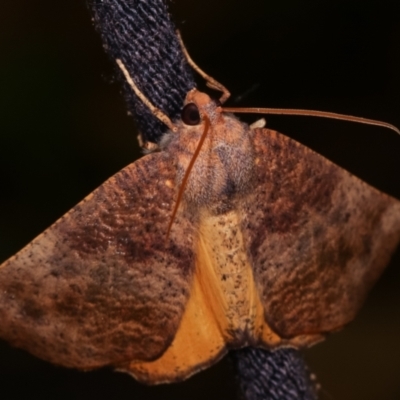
x=190 y=114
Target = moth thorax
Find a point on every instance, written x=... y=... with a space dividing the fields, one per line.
x=222 y=170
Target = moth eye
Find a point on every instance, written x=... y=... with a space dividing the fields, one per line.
x=190 y=114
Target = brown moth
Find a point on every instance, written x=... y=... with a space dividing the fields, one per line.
x=257 y=241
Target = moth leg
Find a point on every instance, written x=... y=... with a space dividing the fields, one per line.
x=260 y=123
x=140 y=140
x=154 y=110
x=210 y=81
x=150 y=147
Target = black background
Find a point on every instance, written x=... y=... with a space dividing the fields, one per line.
x=64 y=130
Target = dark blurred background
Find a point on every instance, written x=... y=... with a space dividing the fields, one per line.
x=64 y=130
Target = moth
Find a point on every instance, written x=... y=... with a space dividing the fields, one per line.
x=256 y=241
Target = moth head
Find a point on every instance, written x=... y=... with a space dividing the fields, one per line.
x=198 y=105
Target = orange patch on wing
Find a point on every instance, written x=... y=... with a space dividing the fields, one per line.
x=224 y=309
x=198 y=342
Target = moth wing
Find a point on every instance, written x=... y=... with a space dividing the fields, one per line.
x=317 y=237
x=103 y=286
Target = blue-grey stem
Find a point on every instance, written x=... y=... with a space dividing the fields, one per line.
x=141 y=34
x=272 y=375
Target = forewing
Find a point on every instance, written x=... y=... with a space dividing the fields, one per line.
x=317 y=237
x=103 y=285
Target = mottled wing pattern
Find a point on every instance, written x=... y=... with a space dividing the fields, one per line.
x=103 y=285
x=317 y=237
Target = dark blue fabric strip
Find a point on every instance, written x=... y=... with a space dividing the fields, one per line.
x=141 y=34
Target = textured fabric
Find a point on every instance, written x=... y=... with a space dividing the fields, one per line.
x=273 y=375
x=141 y=34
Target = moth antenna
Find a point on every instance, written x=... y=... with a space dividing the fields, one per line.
x=154 y=110
x=311 y=113
x=210 y=81
x=187 y=172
